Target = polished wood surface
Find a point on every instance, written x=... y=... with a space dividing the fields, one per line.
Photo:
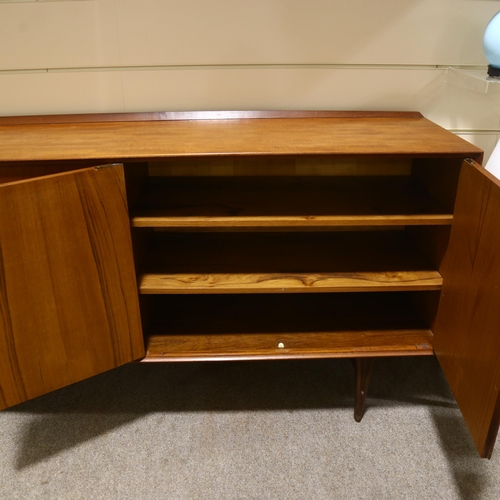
x=253 y=346
x=218 y=327
x=467 y=328
x=286 y=202
x=197 y=115
x=284 y=262
x=68 y=296
x=112 y=141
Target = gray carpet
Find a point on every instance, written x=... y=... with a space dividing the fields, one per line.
x=259 y=430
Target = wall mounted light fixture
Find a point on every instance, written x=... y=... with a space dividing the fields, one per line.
x=491 y=45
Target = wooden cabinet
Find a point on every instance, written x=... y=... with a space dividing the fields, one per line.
x=248 y=235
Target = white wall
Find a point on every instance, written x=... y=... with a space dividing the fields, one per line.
x=139 y=55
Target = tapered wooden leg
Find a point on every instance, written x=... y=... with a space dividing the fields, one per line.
x=364 y=367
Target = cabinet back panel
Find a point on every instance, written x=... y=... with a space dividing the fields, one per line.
x=439 y=176
x=282 y=165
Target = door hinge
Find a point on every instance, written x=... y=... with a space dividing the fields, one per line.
x=108 y=165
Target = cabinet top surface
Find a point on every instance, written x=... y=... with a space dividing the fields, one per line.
x=145 y=136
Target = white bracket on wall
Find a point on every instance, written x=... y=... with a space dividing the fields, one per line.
x=472 y=79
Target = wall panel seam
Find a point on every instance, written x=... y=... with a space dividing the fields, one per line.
x=473 y=131
x=178 y=67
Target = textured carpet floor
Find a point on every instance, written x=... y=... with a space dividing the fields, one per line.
x=260 y=430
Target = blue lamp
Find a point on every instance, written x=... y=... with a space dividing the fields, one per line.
x=491 y=45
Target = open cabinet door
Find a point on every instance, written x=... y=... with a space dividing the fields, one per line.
x=467 y=327
x=68 y=294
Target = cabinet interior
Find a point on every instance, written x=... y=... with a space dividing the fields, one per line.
x=285 y=257
x=282 y=257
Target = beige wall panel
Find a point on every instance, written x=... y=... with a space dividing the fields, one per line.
x=184 y=32
x=486 y=142
x=58 y=35
x=48 y=93
x=180 y=32
x=198 y=89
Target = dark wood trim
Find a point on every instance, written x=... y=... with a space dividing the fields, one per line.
x=364 y=368
x=197 y=115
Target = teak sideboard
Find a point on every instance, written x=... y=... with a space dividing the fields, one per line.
x=247 y=235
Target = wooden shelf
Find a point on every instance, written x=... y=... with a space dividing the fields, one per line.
x=215 y=327
x=286 y=202
x=339 y=261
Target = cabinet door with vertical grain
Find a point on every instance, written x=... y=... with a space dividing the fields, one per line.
x=467 y=327
x=68 y=294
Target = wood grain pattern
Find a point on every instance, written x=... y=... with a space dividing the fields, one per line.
x=295 y=346
x=288 y=282
x=158 y=219
x=284 y=262
x=305 y=201
x=340 y=325
x=467 y=340
x=114 y=141
x=68 y=298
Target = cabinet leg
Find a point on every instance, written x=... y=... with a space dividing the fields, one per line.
x=364 y=368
